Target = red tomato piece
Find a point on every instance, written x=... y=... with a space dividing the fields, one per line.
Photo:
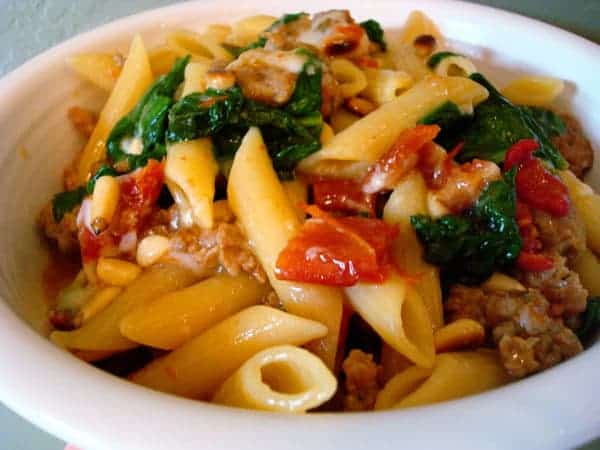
x=519 y=152
x=139 y=193
x=337 y=251
x=540 y=189
x=343 y=196
x=402 y=157
x=534 y=262
x=367 y=61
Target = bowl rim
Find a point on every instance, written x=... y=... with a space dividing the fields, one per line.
x=109 y=422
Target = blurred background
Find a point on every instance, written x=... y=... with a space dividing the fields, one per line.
x=27 y=27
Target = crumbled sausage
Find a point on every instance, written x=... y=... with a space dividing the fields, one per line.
x=235 y=254
x=562 y=235
x=529 y=338
x=575 y=147
x=361 y=381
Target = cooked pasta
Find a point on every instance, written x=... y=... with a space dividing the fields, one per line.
x=305 y=212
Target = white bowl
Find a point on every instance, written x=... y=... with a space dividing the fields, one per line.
x=556 y=409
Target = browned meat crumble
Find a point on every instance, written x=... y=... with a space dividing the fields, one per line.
x=575 y=147
x=361 y=386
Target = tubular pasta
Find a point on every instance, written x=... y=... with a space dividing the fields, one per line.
x=200 y=366
x=101 y=69
x=192 y=168
x=367 y=139
x=174 y=318
x=534 y=91
x=282 y=379
x=587 y=267
x=385 y=85
x=397 y=313
x=455 y=66
x=351 y=79
x=161 y=59
x=297 y=193
x=342 y=119
x=102 y=331
x=247 y=30
x=135 y=78
x=195 y=77
x=202 y=48
x=454 y=375
x=410 y=198
x=261 y=205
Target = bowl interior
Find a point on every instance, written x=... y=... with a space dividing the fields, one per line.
x=38 y=141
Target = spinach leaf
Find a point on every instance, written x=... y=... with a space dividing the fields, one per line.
x=147 y=122
x=468 y=248
x=374 y=32
x=64 y=202
x=285 y=19
x=591 y=320
x=290 y=133
x=436 y=58
x=495 y=126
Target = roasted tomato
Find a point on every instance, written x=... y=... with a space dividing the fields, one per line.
x=342 y=196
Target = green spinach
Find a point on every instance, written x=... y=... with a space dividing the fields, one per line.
x=374 y=32
x=468 y=248
x=146 y=122
x=66 y=201
x=436 y=58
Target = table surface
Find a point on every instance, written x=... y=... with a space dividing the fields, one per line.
x=28 y=27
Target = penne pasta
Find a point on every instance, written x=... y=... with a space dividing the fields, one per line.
x=281 y=379
x=102 y=331
x=383 y=86
x=173 y=319
x=533 y=90
x=341 y=120
x=392 y=362
x=459 y=335
x=351 y=80
x=587 y=203
x=117 y=272
x=367 y=139
x=455 y=66
x=297 y=193
x=454 y=375
x=101 y=69
x=195 y=78
x=410 y=198
x=247 y=30
x=191 y=167
x=397 y=313
x=199 y=367
x=587 y=266
x=135 y=78
x=161 y=60
x=263 y=209
x=202 y=48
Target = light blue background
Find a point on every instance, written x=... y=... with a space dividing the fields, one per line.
x=27 y=27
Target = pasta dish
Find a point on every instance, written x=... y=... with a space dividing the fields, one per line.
x=307 y=213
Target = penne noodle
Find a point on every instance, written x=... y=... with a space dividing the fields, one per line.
x=392 y=362
x=587 y=203
x=192 y=168
x=161 y=60
x=587 y=266
x=351 y=80
x=385 y=85
x=397 y=313
x=341 y=120
x=102 y=331
x=281 y=379
x=101 y=69
x=199 y=367
x=195 y=78
x=533 y=91
x=269 y=219
x=410 y=198
x=117 y=272
x=455 y=66
x=459 y=335
x=297 y=193
x=202 y=48
x=176 y=317
x=454 y=375
x=247 y=30
x=134 y=80
x=368 y=138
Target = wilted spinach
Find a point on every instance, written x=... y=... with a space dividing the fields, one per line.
x=437 y=58
x=591 y=320
x=469 y=247
x=146 y=122
x=64 y=202
x=374 y=32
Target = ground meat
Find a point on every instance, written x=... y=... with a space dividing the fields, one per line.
x=560 y=285
x=575 y=147
x=285 y=35
x=361 y=386
x=519 y=323
x=265 y=76
x=64 y=233
x=562 y=235
x=223 y=245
